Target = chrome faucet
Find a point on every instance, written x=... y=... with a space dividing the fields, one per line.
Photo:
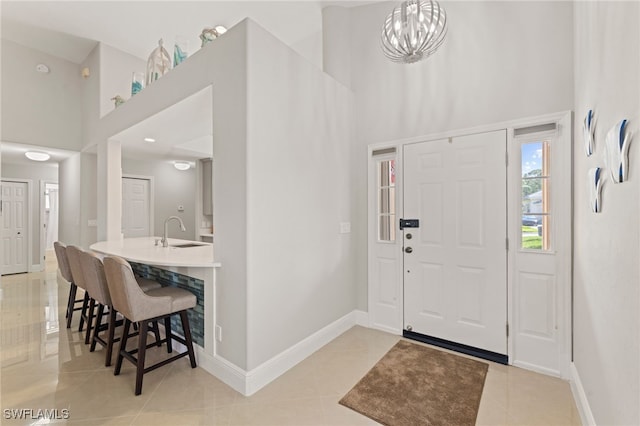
x=165 y=240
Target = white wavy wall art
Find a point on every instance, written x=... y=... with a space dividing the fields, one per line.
x=617 y=152
x=596 y=180
x=589 y=125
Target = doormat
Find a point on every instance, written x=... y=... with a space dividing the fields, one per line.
x=416 y=385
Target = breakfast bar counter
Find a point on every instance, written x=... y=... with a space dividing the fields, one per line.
x=180 y=253
x=185 y=264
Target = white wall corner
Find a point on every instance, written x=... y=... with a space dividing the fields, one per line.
x=279 y=364
x=362 y=318
x=580 y=396
x=222 y=369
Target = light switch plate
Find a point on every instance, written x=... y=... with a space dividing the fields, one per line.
x=345 y=227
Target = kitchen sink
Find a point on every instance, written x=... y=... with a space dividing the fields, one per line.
x=186 y=245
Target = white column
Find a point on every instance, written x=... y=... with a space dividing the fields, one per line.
x=109 y=190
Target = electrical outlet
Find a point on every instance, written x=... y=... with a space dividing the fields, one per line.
x=345 y=227
x=218 y=333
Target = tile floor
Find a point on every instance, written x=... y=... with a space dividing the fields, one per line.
x=46 y=366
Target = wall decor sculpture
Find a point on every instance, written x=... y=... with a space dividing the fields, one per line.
x=617 y=151
x=589 y=126
x=596 y=180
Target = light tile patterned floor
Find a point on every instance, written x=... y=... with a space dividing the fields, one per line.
x=46 y=366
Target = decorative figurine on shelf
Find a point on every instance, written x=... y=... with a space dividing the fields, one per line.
x=117 y=99
x=159 y=63
x=210 y=34
x=180 y=50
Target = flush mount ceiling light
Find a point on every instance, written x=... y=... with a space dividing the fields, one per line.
x=150 y=140
x=37 y=155
x=413 y=31
x=182 y=165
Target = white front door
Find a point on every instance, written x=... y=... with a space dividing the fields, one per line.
x=15 y=236
x=135 y=207
x=455 y=261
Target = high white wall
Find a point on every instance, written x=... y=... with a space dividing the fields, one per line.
x=172 y=188
x=116 y=72
x=500 y=61
x=39 y=109
x=607 y=245
x=300 y=272
x=35 y=172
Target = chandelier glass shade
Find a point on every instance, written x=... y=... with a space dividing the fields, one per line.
x=413 y=31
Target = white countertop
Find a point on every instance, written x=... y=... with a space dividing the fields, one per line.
x=144 y=250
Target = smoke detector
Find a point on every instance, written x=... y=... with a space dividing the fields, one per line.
x=42 y=68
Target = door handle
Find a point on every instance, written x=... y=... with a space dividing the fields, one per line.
x=408 y=250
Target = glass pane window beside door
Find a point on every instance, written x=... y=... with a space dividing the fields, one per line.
x=386 y=206
x=536 y=218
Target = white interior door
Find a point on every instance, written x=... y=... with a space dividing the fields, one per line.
x=135 y=208
x=455 y=262
x=15 y=236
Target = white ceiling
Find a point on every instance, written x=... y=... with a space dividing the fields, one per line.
x=71 y=29
x=182 y=131
x=14 y=153
x=135 y=27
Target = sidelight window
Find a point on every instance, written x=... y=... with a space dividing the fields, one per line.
x=536 y=195
x=386 y=193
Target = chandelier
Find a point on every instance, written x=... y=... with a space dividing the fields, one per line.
x=413 y=31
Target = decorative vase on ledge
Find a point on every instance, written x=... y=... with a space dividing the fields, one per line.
x=159 y=63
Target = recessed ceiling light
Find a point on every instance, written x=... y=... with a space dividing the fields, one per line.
x=182 y=165
x=150 y=140
x=37 y=155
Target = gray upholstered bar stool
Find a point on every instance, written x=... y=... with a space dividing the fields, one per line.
x=93 y=287
x=93 y=270
x=65 y=271
x=141 y=308
x=73 y=256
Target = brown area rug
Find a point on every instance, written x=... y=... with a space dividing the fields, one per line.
x=416 y=385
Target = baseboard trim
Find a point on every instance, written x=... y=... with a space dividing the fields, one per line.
x=268 y=371
x=249 y=382
x=223 y=370
x=580 y=396
x=538 y=369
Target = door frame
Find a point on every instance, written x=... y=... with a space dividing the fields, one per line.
x=152 y=192
x=43 y=232
x=30 y=266
x=562 y=118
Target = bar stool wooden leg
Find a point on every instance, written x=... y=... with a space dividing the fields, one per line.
x=111 y=336
x=90 y=316
x=187 y=337
x=142 y=351
x=167 y=332
x=71 y=303
x=156 y=333
x=83 y=312
x=123 y=347
x=96 y=328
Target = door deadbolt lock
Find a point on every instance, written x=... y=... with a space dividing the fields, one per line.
x=408 y=236
x=408 y=250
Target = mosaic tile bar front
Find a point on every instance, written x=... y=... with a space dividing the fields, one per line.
x=194 y=285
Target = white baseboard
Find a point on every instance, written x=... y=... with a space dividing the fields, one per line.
x=249 y=382
x=279 y=364
x=222 y=369
x=362 y=318
x=537 y=369
x=580 y=397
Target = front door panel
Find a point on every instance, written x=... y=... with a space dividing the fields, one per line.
x=455 y=273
